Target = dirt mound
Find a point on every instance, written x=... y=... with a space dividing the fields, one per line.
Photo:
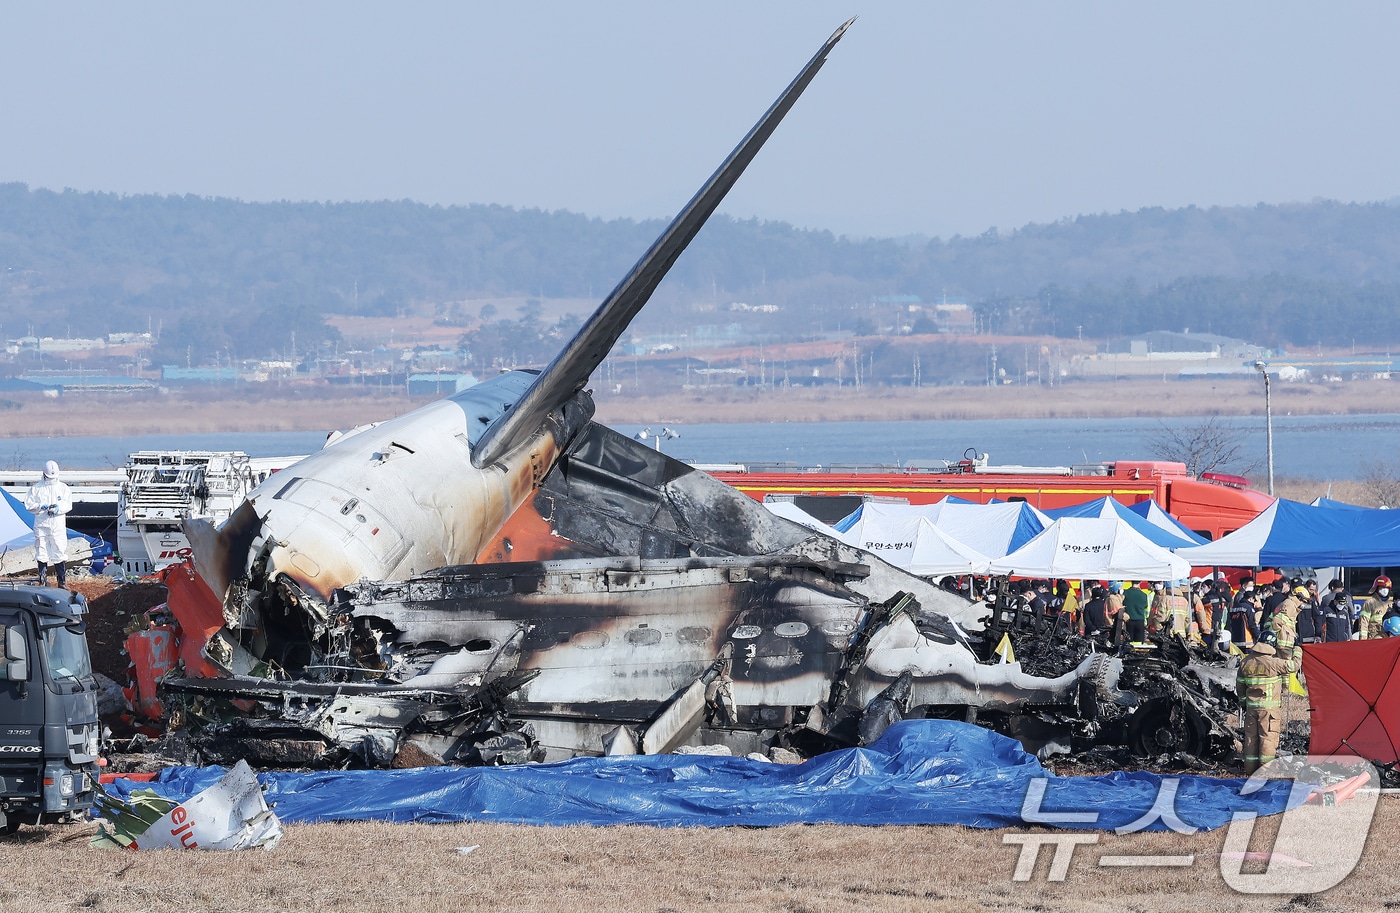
x=111 y=608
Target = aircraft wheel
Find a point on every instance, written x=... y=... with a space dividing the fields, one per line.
x=1163 y=726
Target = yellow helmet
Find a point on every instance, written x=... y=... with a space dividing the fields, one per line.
x=1301 y=592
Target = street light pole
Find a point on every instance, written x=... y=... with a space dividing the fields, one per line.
x=1268 y=423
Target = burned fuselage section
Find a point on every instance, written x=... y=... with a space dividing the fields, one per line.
x=657 y=608
x=547 y=660
x=582 y=655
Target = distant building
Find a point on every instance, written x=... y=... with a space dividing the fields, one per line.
x=124 y=339
x=1171 y=355
x=1165 y=343
x=954 y=315
x=50 y=344
x=436 y=384
x=176 y=374
x=1354 y=367
x=70 y=384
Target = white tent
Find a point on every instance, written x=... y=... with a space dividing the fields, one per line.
x=917 y=546
x=790 y=511
x=987 y=529
x=1095 y=548
x=909 y=542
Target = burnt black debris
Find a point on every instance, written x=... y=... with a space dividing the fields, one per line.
x=527 y=635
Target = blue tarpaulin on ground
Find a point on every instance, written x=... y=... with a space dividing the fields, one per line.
x=918 y=772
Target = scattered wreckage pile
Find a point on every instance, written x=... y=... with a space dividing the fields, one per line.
x=383 y=689
x=1166 y=705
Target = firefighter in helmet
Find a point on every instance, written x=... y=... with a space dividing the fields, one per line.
x=1284 y=624
x=1374 y=609
x=1260 y=684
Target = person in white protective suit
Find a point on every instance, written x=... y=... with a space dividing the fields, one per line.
x=50 y=500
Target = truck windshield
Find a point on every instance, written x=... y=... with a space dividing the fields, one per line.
x=66 y=653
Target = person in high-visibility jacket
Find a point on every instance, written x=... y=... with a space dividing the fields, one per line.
x=1171 y=610
x=1284 y=623
x=1260 y=684
x=1199 y=612
x=1159 y=612
x=1374 y=608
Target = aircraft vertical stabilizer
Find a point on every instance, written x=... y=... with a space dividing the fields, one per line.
x=570 y=369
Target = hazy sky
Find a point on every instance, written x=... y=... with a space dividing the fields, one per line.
x=930 y=117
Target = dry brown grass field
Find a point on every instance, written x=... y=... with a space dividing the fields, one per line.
x=1108 y=399
x=1305 y=490
x=799 y=869
x=276 y=409
x=322 y=408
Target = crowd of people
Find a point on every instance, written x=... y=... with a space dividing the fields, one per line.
x=1266 y=621
x=1209 y=610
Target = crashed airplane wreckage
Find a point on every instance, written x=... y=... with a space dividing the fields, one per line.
x=493 y=578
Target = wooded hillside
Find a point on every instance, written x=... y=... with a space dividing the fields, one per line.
x=221 y=275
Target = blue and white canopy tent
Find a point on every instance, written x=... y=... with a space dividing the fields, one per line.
x=1160 y=528
x=1152 y=512
x=992 y=530
x=1093 y=548
x=1320 y=501
x=1292 y=534
x=17 y=539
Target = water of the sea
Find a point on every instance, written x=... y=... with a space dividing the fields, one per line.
x=1316 y=447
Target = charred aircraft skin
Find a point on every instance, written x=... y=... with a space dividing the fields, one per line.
x=788 y=648
x=575 y=648
x=493 y=578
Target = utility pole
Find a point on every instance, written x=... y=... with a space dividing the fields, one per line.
x=1263 y=369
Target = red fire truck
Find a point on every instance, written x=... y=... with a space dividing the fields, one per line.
x=1213 y=504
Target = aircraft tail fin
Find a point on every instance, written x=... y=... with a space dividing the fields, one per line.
x=567 y=374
